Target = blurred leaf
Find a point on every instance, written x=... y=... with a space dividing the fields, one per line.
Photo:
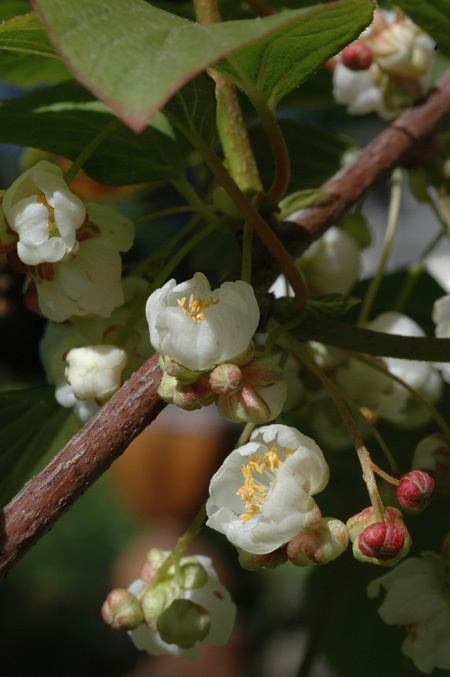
x=29 y=420
x=278 y=63
x=431 y=15
x=303 y=199
x=331 y=305
x=195 y=106
x=63 y=120
x=315 y=153
x=25 y=34
x=161 y=50
x=27 y=71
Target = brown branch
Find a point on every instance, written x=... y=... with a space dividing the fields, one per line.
x=82 y=461
x=48 y=495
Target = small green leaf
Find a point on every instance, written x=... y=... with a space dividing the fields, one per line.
x=331 y=305
x=29 y=420
x=431 y=15
x=278 y=63
x=303 y=199
x=134 y=57
x=64 y=118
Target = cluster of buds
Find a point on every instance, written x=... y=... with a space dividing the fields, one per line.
x=383 y=542
x=207 y=353
x=386 y=69
x=186 y=608
x=68 y=250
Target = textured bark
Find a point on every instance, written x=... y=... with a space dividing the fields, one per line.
x=50 y=493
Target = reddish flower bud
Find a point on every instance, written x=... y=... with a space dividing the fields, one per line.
x=122 y=610
x=226 y=379
x=414 y=490
x=357 y=56
x=381 y=541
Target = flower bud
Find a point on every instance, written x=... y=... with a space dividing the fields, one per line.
x=171 y=367
x=154 y=602
x=95 y=372
x=433 y=455
x=122 y=610
x=414 y=490
x=357 y=56
x=383 y=543
x=187 y=396
x=192 y=574
x=262 y=395
x=183 y=623
x=271 y=560
x=320 y=545
x=226 y=379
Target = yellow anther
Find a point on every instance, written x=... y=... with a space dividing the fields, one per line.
x=254 y=494
x=196 y=306
x=51 y=211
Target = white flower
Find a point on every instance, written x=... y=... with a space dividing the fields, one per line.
x=60 y=338
x=198 y=327
x=44 y=213
x=89 y=282
x=94 y=372
x=418 y=597
x=261 y=497
x=329 y=265
x=399 y=72
x=212 y=596
x=384 y=397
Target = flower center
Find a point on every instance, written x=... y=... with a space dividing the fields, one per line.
x=254 y=493
x=196 y=306
x=51 y=213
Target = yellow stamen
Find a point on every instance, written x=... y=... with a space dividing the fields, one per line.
x=51 y=211
x=252 y=493
x=196 y=306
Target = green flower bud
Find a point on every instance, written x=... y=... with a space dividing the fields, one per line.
x=192 y=574
x=154 y=602
x=122 y=610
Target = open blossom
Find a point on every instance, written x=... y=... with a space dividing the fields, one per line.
x=199 y=327
x=261 y=497
x=418 y=597
x=189 y=614
x=44 y=213
x=85 y=394
x=396 y=74
x=88 y=281
x=385 y=397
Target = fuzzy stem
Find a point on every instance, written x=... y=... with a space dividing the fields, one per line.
x=394 y=208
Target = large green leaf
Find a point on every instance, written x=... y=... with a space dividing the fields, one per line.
x=64 y=118
x=431 y=15
x=29 y=420
x=280 y=62
x=25 y=34
x=134 y=56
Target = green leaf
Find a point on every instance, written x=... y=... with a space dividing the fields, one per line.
x=25 y=34
x=194 y=105
x=431 y=15
x=278 y=63
x=303 y=199
x=315 y=153
x=134 y=56
x=29 y=420
x=64 y=118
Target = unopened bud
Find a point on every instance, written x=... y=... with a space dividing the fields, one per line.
x=94 y=372
x=226 y=379
x=173 y=368
x=271 y=560
x=414 y=490
x=383 y=543
x=320 y=545
x=122 y=610
x=357 y=56
x=154 y=602
x=187 y=396
x=192 y=574
x=183 y=623
x=433 y=455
